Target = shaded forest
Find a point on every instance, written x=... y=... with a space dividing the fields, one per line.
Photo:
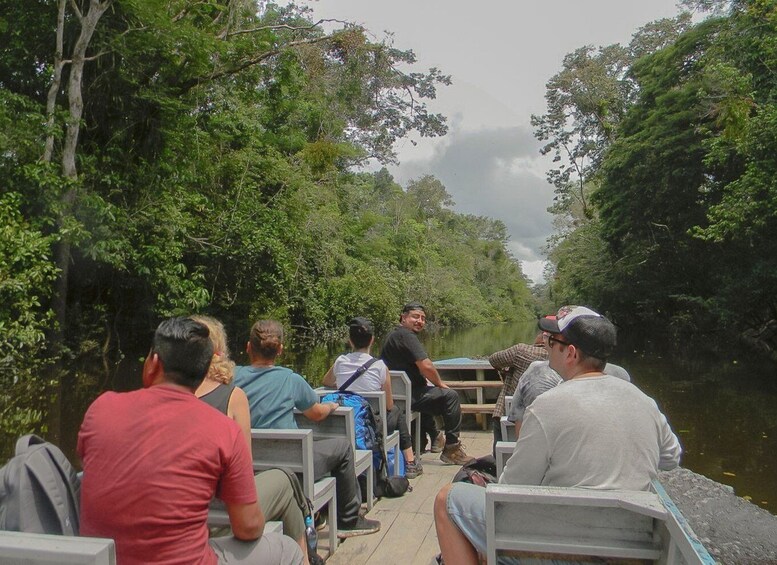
x=166 y=157
x=666 y=193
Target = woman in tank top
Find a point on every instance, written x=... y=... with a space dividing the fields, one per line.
x=273 y=489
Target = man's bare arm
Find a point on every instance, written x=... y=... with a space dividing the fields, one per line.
x=247 y=520
x=329 y=379
x=320 y=411
x=430 y=373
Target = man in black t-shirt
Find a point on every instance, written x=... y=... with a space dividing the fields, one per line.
x=402 y=351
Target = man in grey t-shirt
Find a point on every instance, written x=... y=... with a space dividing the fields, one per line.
x=593 y=431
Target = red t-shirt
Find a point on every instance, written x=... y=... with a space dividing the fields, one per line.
x=153 y=460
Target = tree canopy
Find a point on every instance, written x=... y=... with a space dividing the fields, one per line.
x=168 y=157
x=679 y=235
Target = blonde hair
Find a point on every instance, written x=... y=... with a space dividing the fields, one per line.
x=221 y=367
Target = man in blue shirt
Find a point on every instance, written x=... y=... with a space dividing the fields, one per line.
x=273 y=393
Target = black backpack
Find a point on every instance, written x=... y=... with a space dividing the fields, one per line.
x=480 y=472
x=39 y=490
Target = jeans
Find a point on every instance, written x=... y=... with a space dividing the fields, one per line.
x=395 y=420
x=334 y=457
x=435 y=401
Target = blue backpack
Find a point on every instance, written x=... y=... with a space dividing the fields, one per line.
x=367 y=434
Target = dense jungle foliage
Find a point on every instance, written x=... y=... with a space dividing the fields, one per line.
x=666 y=185
x=161 y=157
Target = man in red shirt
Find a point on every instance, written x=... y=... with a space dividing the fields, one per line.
x=154 y=458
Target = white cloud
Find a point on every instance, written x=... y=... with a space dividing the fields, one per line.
x=499 y=60
x=535 y=270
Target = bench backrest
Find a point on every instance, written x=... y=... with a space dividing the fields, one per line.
x=615 y=524
x=290 y=449
x=557 y=521
x=377 y=400
x=39 y=549
x=339 y=423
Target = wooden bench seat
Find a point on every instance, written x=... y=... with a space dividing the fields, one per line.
x=477 y=408
x=458 y=385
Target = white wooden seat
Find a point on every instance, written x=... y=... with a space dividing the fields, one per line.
x=402 y=392
x=508 y=429
x=293 y=450
x=40 y=549
x=340 y=424
x=503 y=451
x=377 y=400
x=555 y=522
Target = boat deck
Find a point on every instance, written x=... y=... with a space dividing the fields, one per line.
x=407 y=534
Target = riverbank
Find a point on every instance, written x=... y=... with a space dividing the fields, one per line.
x=732 y=529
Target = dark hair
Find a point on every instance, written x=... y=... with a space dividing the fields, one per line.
x=591 y=362
x=410 y=306
x=185 y=350
x=267 y=338
x=360 y=331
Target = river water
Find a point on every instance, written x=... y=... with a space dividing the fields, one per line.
x=725 y=413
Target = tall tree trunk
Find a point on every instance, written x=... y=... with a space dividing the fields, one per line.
x=63 y=252
x=51 y=101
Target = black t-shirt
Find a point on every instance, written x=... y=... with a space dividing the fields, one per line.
x=401 y=349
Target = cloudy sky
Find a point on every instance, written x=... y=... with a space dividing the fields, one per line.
x=500 y=54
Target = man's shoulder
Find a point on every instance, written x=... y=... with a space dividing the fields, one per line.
x=399 y=331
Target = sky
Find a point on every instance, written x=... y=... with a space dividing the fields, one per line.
x=500 y=54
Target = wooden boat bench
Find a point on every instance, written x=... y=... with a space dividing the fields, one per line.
x=293 y=450
x=40 y=549
x=481 y=409
x=558 y=523
x=403 y=397
x=340 y=424
x=377 y=400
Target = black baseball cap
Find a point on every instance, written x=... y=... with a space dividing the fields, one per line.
x=587 y=330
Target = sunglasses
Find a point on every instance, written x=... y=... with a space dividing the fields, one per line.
x=550 y=339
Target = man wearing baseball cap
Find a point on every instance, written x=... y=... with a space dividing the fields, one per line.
x=591 y=431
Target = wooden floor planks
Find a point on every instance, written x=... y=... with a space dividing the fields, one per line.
x=407 y=533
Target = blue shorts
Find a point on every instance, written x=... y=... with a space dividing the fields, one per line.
x=466 y=506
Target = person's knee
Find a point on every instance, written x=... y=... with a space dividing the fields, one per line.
x=441 y=502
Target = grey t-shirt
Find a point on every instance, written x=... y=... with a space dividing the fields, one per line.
x=594 y=432
x=536 y=379
x=539 y=377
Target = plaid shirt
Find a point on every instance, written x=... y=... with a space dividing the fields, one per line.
x=510 y=363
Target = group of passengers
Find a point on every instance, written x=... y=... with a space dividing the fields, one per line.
x=155 y=458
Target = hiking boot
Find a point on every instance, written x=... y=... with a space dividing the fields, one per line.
x=362 y=527
x=413 y=469
x=453 y=454
x=438 y=443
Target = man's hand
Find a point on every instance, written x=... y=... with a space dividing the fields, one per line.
x=320 y=411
